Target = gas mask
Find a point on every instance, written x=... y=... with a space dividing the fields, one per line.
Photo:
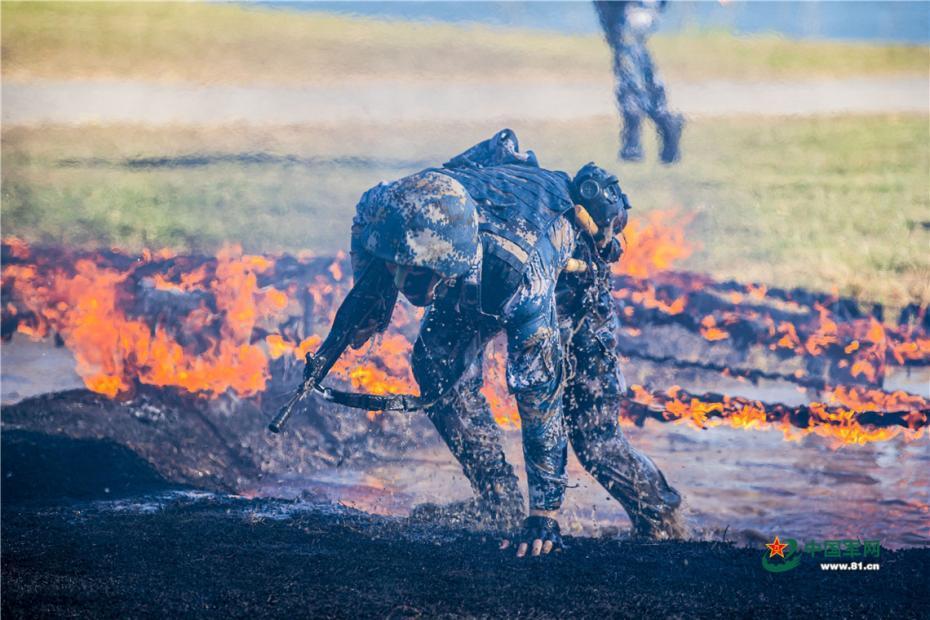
x=599 y=193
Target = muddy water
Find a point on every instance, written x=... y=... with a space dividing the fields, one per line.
x=736 y=481
x=733 y=480
x=741 y=484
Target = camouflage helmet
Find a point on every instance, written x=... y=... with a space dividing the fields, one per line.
x=424 y=220
x=599 y=193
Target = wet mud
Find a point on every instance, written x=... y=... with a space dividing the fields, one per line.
x=166 y=505
x=739 y=485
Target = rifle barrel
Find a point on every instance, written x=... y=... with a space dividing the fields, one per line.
x=285 y=412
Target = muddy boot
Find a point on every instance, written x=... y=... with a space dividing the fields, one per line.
x=453 y=514
x=499 y=508
x=670 y=527
x=631 y=147
x=670 y=127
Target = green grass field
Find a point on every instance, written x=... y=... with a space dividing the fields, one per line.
x=229 y=43
x=830 y=203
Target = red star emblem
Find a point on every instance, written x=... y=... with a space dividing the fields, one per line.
x=776 y=548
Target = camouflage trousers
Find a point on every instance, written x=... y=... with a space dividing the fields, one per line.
x=448 y=359
x=591 y=407
x=593 y=387
x=639 y=89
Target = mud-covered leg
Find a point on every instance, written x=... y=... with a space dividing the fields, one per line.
x=592 y=405
x=465 y=423
x=534 y=375
x=449 y=352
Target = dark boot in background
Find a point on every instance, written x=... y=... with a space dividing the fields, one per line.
x=631 y=147
x=670 y=127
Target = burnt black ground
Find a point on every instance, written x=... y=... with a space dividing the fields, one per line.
x=223 y=556
x=37 y=466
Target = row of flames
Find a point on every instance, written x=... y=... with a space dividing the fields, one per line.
x=214 y=325
x=863 y=347
x=790 y=323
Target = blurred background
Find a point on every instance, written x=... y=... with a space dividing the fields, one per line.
x=190 y=125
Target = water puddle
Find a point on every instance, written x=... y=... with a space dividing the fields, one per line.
x=732 y=480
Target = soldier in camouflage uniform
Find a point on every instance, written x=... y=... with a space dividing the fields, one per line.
x=418 y=229
x=639 y=89
x=593 y=383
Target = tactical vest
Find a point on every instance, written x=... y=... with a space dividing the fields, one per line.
x=517 y=206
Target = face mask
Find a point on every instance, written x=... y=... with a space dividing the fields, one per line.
x=419 y=285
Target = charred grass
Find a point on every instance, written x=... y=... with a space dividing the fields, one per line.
x=88 y=533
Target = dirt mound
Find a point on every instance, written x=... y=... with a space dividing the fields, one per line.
x=42 y=467
x=217 y=445
x=176 y=435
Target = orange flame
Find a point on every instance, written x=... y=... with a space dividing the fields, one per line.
x=838 y=420
x=113 y=350
x=655 y=244
x=710 y=331
x=227 y=344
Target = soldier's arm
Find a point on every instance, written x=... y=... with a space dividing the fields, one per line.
x=368 y=305
x=366 y=310
x=534 y=375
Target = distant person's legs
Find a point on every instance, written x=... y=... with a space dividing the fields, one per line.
x=639 y=90
x=631 y=101
x=668 y=124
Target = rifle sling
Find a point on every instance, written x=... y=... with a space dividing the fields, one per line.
x=374 y=402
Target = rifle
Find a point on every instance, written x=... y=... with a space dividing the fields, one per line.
x=365 y=306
